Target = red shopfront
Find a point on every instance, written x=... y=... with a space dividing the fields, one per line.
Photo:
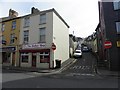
x=39 y=58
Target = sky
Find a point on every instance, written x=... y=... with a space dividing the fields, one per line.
x=81 y=15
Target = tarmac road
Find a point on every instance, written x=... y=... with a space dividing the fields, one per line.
x=79 y=75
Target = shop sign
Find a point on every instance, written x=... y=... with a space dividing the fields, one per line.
x=118 y=43
x=8 y=49
x=37 y=45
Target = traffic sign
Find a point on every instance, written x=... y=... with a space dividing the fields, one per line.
x=107 y=44
x=53 y=46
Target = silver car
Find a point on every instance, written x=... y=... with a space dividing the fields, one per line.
x=77 y=53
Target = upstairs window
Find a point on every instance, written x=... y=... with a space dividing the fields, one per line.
x=12 y=38
x=116 y=5
x=13 y=24
x=3 y=38
x=26 y=22
x=42 y=18
x=26 y=36
x=118 y=27
x=3 y=27
x=42 y=34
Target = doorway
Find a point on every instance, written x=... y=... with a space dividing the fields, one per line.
x=13 y=59
x=34 y=57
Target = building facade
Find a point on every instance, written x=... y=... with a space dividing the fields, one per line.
x=10 y=28
x=109 y=30
x=40 y=31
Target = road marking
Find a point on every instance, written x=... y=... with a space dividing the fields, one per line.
x=83 y=67
x=79 y=74
x=80 y=67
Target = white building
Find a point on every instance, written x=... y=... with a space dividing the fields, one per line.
x=39 y=30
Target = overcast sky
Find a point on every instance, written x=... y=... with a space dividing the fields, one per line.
x=81 y=15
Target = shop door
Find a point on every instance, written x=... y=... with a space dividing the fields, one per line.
x=34 y=60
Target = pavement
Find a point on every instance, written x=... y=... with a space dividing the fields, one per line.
x=64 y=66
x=102 y=71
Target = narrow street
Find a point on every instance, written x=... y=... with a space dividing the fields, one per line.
x=79 y=75
x=81 y=69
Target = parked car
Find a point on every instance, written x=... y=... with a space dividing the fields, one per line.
x=77 y=53
x=85 y=49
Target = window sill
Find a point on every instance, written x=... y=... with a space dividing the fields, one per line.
x=42 y=23
x=25 y=43
x=13 y=29
x=25 y=26
x=41 y=42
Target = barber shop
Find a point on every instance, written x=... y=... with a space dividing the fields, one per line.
x=35 y=55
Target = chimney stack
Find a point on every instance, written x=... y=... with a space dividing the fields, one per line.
x=12 y=13
x=34 y=10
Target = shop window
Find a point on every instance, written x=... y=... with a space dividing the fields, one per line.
x=6 y=57
x=25 y=57
x=44 y=57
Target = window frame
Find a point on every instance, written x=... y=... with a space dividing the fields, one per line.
x=13 y=25
x=12 y=41
x=42 y=34
x=3 y=27
x=117 y=24
x=26 y=36
x=43 y=18
x=44 y=60
x=24 y=54
x=116 y=5
x=26 y=21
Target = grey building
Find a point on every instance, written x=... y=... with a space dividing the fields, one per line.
x=108 y=29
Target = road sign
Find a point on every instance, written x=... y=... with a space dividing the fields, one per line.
x=53 y=46
x=107 y=44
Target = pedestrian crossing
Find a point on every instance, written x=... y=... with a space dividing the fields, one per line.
x=81 y=67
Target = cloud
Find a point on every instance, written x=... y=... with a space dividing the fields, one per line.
x=81 y=15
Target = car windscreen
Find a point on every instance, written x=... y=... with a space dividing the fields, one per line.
x=77 y=51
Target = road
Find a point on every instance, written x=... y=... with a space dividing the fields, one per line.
x=79 y=75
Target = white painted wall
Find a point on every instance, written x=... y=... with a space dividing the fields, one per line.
x=34 y=36
x=56 y=31
x=34 y=29
x=61 y=39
